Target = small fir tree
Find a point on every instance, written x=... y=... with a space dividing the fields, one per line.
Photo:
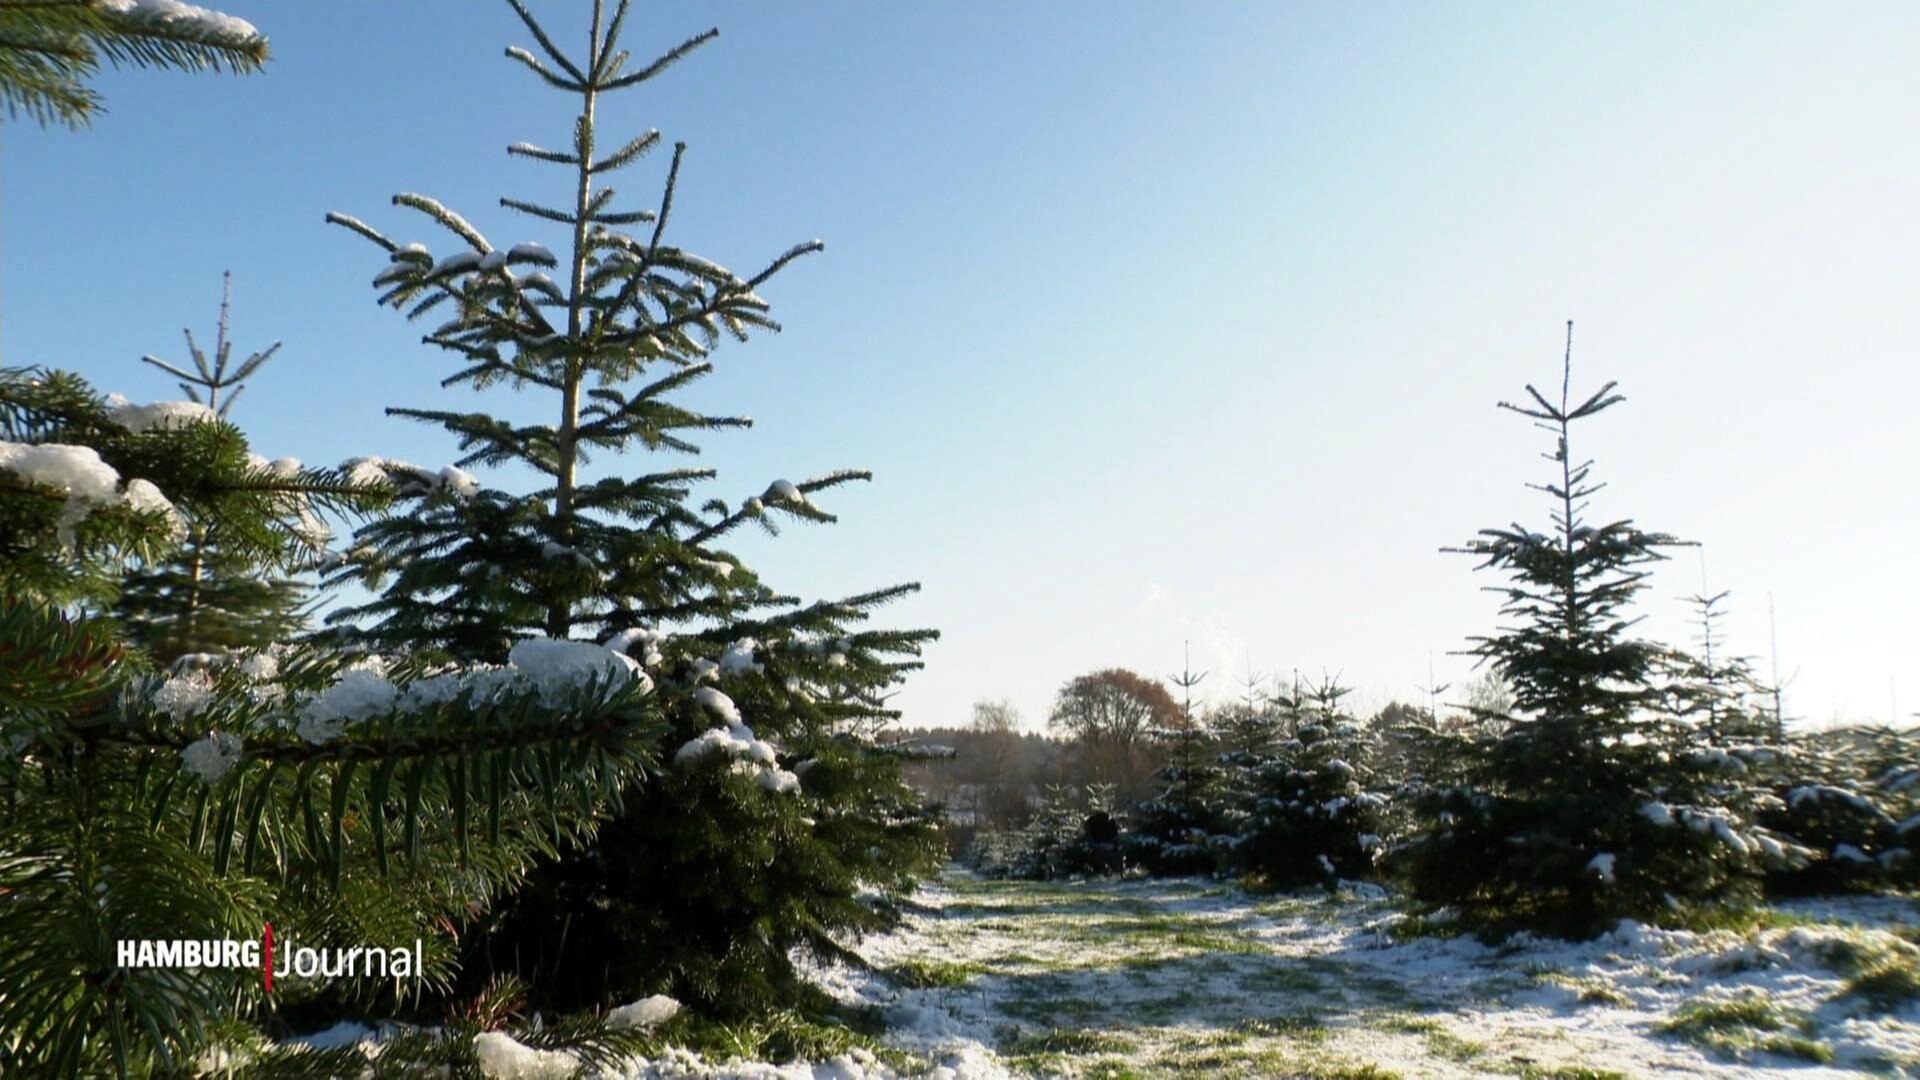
x=205 y=598
x=1247 y=733
x=1175 y=831
x=779 y=821
x=1712 y=689
x=1313 y=818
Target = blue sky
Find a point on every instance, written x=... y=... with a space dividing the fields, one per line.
x=1156 y=323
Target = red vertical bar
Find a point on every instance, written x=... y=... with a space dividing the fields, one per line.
x=266 y=966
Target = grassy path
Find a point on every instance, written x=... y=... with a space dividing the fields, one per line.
x=1134 y=979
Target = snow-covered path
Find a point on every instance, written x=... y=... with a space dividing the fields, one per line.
x=1151 y=978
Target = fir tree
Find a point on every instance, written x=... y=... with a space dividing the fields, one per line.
x=205 y=598
x=1072 y=835
x=1849 y=797
x=777 y=807
x=1585 y=805
x=346 y=799
x=1174 y=832
x=1313 y=818
x=1712 y=689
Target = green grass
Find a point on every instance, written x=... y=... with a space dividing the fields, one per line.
x=1588 y=991
x=1415 y=927
x=1445 y=1044
x=1345 y=1071
x=778 y=1036
x=1306 y=1027
x=1743 y=1025
x=929 y=974
x=1567 y=1072
x=1072 y=1043
x=1887 y=986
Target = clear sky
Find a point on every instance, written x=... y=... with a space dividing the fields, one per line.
x=1156 y=322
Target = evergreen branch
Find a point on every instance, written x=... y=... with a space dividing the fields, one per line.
x=528 y=150
x=533 y=63
x=666 y=61
x=362 y=228
x=543 y=212
x=168 y=368
x=627 y=154
x=608 y=59
x=546 y=44
x=780 y=263
x=453 y=222
x=666 y=200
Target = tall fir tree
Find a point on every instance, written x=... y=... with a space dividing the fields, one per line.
x=205 y=597
x=777 y=821
x=1584 y=804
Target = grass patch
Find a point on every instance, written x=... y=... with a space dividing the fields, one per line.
x=1745 y=1025
x=1305 y=1027
x=1415 y=927
x=1445 y=1044
x=931 y=974
x=1887 y=986
x=779 y=1036
x=1070 y=1043
x=1586 y=991
x=1346 y=1071
x=1601 y=994
x=1568 y=1072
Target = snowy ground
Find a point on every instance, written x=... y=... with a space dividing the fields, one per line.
x=1153 y=978
x=1164 y=978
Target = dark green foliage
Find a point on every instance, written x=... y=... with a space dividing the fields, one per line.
x=1177 y=831
x=1314 y=817
x=204 y=468
x=1074 y=834
x=763 y=830
x=704 y=886
x=1849 y=796
x=201 y=804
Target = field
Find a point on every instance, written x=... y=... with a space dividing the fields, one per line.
x=1158 y=978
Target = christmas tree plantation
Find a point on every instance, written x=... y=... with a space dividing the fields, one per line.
x=774 y=819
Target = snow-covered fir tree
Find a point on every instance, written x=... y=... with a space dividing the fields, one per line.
x=1586 y=802
x=1314 y=817
x=1073 y=834
x=204 y=597
x=1851 y=797
x=776 y=821
x=1246 y=733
